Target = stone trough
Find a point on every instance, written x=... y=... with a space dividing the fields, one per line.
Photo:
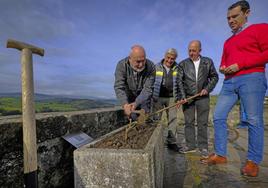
x=130 y=168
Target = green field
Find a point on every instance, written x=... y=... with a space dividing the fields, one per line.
x=12 y=105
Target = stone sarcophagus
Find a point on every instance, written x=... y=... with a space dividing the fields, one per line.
x=97 y=166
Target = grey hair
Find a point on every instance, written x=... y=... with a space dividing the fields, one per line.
x=172 y=51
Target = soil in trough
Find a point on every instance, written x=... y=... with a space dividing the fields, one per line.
x=137 y=138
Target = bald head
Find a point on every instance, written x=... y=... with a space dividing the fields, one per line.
x=137 y=49
x=195 y=43
x=137 y=58
x=194 y=49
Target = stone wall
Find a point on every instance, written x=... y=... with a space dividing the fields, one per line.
x=55 y=155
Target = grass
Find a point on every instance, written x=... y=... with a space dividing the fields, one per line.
x=52 y=107
x=12 y=105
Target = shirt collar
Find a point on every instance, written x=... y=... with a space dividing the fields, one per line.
x=241 y=28
x=198 y=59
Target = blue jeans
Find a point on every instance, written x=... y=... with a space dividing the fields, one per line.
x=250 y=89
x=243 y=119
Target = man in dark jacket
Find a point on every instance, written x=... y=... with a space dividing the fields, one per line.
x=134 y=79
x=196 y=74
x=164 y=91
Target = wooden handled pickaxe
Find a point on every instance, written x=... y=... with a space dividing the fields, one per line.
x=28 y=110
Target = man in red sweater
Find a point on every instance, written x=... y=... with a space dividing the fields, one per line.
x=244 y=57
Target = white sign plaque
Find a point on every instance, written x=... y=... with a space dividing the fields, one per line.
x=77 y=139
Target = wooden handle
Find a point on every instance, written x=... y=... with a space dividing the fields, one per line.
x=21 y=45
x=173 y=105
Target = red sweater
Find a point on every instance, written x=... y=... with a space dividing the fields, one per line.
x=248 y=49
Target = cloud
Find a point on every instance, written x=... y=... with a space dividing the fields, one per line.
x=83 y=40
x=10 y=82
x=33 y=20
x=77 y=85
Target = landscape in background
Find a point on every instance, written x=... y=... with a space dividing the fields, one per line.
x=10 y=103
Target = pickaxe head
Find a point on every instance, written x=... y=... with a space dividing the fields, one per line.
x=142 y=116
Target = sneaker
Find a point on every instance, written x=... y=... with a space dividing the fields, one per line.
x=204 y=153
x=187 y=150
x=174 y=147
x=250 y=169
x=213 y=159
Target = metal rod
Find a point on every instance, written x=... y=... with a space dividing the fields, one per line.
x=173 y=105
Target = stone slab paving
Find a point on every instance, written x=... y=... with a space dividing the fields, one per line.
x=185 y=170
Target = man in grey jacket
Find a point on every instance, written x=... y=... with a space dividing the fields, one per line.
x=165 y=91
x=196 y=74
x=134 y=79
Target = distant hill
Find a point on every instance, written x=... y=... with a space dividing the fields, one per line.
x=40 y=97
x=37 y=96
x=10 y=103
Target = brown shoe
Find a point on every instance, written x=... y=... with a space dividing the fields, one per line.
x=213 y=159
x=250 y=169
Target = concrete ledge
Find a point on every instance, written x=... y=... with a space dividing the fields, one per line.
x=55 y=155
x=131 y=168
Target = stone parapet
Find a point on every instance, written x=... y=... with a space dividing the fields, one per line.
x=55 y=155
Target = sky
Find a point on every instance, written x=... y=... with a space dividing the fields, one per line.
x=84 y=39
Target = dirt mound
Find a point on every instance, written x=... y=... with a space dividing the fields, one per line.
x=137 y=138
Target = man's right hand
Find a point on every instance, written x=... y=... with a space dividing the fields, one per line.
x=222 y=69
x=127 y=109
x=183 y=101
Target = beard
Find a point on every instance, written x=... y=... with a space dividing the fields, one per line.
x=138 y=69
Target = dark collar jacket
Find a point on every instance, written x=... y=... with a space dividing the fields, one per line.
x=186 y=79
x=131 y=86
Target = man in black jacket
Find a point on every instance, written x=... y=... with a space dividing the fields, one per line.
x=196 y=74
x=134 y=79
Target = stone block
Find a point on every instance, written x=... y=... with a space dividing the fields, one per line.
x=130 y=168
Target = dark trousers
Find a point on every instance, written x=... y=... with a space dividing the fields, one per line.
x=171 y=113
x=200 y=109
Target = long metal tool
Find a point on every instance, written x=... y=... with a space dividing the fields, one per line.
x=173 y=105
x=28 y=111
x=233 y=133
x=143 y=117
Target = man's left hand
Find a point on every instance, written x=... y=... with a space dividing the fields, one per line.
x=203 y=92
x=231 y=69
